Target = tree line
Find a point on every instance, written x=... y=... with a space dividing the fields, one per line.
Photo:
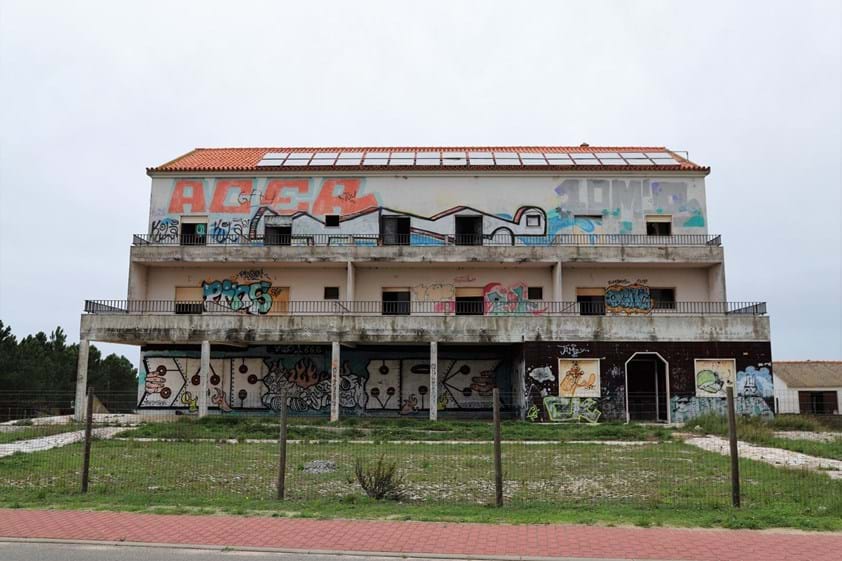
x=38 y=375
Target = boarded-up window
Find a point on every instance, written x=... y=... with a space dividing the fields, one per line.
x=188 y=300
x=818 y=403
x=280 y=300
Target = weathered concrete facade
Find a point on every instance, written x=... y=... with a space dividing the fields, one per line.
x=415 y=282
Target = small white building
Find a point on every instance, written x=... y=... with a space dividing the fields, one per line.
x=808 y=387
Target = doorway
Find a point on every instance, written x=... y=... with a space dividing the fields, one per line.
x=647 y=388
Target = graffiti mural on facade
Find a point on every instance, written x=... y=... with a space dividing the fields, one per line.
x=571 y=409
x=579 y=378
x=713 y=376
x=624 y=297
x=686 y=408
x=229 y=231
x=503 y=300
x=305 y=383
x=164 y=230
x=443 y=294
x=250 y=298
x=755 y=382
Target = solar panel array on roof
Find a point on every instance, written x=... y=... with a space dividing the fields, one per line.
x=467 y=158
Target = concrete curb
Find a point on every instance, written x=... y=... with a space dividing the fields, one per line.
x=403 y=555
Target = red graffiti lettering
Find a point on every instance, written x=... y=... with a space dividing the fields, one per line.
x=243 y=189
x=340 y=196
x=276 y=197
x=180 y=196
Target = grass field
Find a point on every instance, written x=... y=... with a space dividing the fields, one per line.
x=655 y=483
x=27 y=432
x=392 y=429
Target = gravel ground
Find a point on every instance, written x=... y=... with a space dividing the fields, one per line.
x=54 y=441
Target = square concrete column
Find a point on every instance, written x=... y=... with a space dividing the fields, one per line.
x=557 y=282
x=81 y=381
x=434 y=381
x=334 y=382
x=204 y=374
x=350 y=282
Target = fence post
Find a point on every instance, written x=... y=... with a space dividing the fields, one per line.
x=732 y=437
x=86 y=459
x=498 y=459
x=282 y=451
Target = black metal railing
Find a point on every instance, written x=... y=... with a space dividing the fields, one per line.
x=428 y=240
x=265 y=306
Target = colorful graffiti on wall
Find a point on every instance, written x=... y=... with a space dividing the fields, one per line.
x=713 y=376
x=258 y=379
x=624 y=297
x=250 y=298
x=499 y=299
x=686 y=408
x=579 y=378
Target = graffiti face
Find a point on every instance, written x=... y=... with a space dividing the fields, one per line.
x=627 y=298
x=580 y=378
x=352 y=394
x=712 y=376
x=503 y=300
x=253 y=298
x=304 y=383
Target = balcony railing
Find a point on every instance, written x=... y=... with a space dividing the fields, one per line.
x=428 y=240
x=260 y=306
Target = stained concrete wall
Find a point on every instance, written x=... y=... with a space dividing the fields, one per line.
x=691 y=284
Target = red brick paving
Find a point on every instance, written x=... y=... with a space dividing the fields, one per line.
x=425 y=537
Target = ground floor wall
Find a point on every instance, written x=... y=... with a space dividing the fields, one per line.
x=373 y=379
x=599 y=381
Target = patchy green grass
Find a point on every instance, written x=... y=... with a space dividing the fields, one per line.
x=651 y=484
x=759 y=431
x=26 y=432
x=222 y=427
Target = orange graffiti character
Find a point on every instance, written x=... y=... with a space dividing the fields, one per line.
x=342 y=196
x=286 y=196
x=196 y=198
x=222 y=194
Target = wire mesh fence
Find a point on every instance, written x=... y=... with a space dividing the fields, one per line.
x=151 y=457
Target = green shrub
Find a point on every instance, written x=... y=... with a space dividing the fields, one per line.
x=380 y=481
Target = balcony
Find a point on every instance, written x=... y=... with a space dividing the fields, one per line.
x=694 y=249
x=297 y=322
x=431 y=241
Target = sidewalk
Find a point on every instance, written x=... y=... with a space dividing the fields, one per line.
x=478 y=540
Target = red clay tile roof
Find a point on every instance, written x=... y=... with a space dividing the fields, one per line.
x=426 y=158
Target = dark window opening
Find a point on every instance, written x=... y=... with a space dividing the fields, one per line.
x=818 y=403
x=535 y=293
x=332 y=220
x=469 y=230
x=331 y=293
x=662 y=298
x=194 y=234
x=188 y=307
x=395 y=303
x=591 y=305
x=395 y=230
x=469 y=305
x=278 y=235
x=658 y=228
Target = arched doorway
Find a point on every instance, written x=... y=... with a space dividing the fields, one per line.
x=647 y=388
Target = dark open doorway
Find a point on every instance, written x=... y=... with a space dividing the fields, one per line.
x=647 y=392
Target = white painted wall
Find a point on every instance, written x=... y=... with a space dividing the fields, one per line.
x=786 y=398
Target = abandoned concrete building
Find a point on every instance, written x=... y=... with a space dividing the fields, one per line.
x=581 y=281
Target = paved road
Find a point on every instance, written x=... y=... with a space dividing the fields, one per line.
x=17 y=551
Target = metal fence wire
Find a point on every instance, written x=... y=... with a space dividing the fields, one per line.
x=143 y=457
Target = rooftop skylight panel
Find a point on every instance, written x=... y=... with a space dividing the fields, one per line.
x=613 y=161
x=269 y=163
x=454 y=159
x=402 y=159
x=633 y=155
x=583 y=155
x=604 y=155
x=298 y=159
x=559 y=159
x=427 y=159
x=533 y=158
x=326 y=155
x=376 y=159
x=480 y=158
x=654 y=155
x=506 y=159
x=349 y=159
x=275 y=155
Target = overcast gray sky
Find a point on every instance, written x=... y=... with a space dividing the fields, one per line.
x=91 y=93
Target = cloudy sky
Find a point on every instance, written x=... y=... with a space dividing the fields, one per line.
x=93 y=93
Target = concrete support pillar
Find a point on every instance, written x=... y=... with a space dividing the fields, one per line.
x=81 y=381
x=334 y=382
x=350 y=282
x=204 y=374
x=434 y=381
x=557 y=282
